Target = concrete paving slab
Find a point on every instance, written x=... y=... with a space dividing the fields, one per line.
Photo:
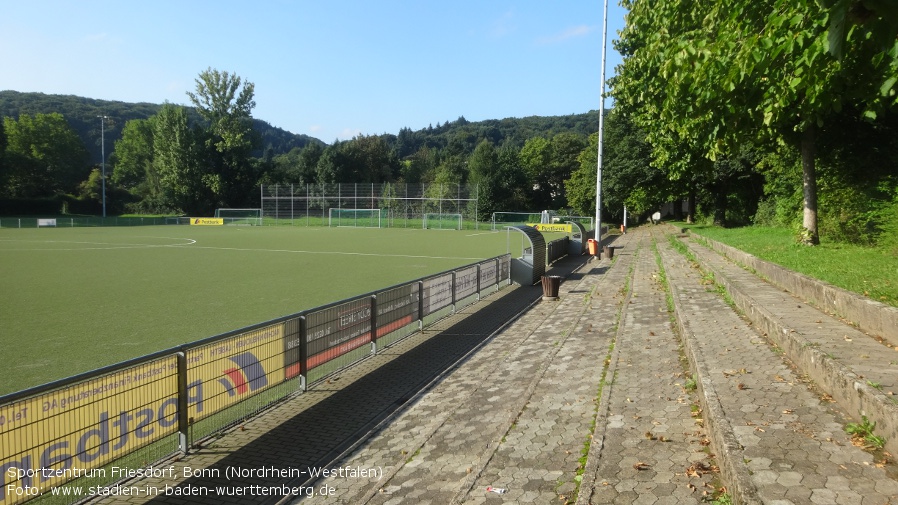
x=651 y=448
x=783 y=441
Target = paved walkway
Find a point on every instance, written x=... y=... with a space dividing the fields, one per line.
x=617 y=393
x=787 y=438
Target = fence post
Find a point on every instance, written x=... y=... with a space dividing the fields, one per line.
x=183 y=419
x=420 y=305
x=373 y=322
x=303 y=354
x=478 y=282
x=453 y=287
x=499 y=273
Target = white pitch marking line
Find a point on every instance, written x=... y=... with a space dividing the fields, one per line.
x=345 y=253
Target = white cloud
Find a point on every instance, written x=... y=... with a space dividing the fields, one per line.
x=569 y=33
x=349 y=133
x=504 y=25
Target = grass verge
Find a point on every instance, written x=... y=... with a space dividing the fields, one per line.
x=872 y=272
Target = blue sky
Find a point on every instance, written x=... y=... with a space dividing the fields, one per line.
x=327 y=69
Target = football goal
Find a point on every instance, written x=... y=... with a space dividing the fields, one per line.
x=250 y=217
x=503 y=219
x=435 y=221
x=359 y=218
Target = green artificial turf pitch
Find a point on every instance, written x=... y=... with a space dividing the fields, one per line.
x=76 y=299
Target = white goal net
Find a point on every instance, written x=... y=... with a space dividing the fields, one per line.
x=359 y=218
x=439 y=221
x=252 y=217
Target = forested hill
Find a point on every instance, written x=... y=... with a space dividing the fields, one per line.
x=462 y=135
x=82 y=115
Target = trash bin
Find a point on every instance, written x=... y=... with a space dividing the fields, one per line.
x=551 y=283
x=593 y=247
x=609 y=251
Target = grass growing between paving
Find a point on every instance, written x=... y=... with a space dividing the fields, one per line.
x=870 y=271
x=603 y=381
x=861 y=433
x=720 y=496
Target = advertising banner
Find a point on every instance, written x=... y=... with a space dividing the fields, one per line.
x=437 y=293
x=292 y=342
x=207 y=221
x=465 y=282
x=488 y=273
x=554 y=227
x=336 y=330
x=505 y=268
x=396 y=308
x=54 y=437
x=228 y=371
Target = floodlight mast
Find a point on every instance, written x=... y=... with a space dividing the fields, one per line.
x=598 y=232
x=103 y=158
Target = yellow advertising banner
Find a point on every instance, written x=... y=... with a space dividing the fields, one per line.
x=228 y=371
x=54 y=437
x=554 y=227
x=206 y=221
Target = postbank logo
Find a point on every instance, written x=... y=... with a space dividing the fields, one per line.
x=249 y=375
x=206 y=221
x=227 y=371
x=554 y=227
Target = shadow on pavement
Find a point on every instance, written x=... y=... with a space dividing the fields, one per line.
x=319 y=434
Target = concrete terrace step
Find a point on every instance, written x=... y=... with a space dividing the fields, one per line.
x=858 y=371
x=779 y=439
x=648 y=446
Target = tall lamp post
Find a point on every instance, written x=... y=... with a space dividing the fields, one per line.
x=103 y=160
x=598 y=236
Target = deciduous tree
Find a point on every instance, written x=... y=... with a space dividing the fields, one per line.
x=226 y=102
x=45 y=156
x=706 y=78
x=186 y=182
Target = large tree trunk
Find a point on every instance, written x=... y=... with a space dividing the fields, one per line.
x=678 y=210
x=690 y=205
x=720 y=201
x=809 y=235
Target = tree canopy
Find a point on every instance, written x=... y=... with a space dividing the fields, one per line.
x=43 y=155
x=704 y=79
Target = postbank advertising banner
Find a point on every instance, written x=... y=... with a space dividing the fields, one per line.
x=553 y=227
x=228 y=371
x=51 y=438
x=207 y=221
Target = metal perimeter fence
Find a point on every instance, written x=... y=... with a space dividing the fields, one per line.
x=402 y=205
x=88 y=430
x=83 y=222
